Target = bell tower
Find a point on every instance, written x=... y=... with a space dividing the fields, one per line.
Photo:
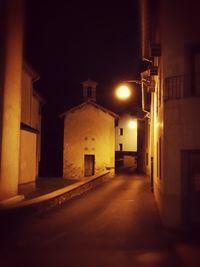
x=89 y=90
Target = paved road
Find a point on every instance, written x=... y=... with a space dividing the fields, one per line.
x=116 y=224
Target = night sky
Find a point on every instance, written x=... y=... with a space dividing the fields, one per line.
x=68 y=42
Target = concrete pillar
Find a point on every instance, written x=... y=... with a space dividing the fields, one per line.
x=11 y=46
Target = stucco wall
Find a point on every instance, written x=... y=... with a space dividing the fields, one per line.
x=26 y=98
x=10 y=103
x=176 y=122
x=29 y=103
x=35 y=116
x=181 y=132
x=27 y=157
x=179 y=29
x=129 y=137
x=87 y=130
x=30 y=115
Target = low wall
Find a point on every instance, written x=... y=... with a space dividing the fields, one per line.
x=56 y=198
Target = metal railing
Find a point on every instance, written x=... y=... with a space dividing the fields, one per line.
x=177 y=87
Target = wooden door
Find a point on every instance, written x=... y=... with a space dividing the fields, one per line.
x=191 y=183
x=89 y=161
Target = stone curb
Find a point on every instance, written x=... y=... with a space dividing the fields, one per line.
x=56 y=198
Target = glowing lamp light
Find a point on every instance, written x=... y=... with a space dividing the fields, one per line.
x=132 y=124
x=123 y=92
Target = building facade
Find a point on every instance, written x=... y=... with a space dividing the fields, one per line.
x=30 y=130
x=170 y=45
x=89 y=134
x=11 y=58
x=126 y=141
x=20 y=107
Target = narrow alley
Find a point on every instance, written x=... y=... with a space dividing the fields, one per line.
x=116 y=224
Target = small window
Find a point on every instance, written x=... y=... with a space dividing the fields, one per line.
x=121 y=147
x=120 y=131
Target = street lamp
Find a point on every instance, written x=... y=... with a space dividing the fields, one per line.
x=123 y=92
x=132 y=124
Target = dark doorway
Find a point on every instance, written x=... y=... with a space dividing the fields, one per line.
x=191 y=186
x=89 y=165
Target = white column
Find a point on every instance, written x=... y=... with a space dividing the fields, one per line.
x=10 y=87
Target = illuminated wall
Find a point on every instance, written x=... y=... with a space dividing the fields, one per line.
x=30 y=103
x=181 y=128
x=126 y=135
x=30 y=133
x=175 y=103
x=11 y=47
x=26 y=98
x=28 y=147
x=88 y=130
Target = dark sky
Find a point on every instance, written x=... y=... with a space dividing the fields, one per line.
x=68 y=42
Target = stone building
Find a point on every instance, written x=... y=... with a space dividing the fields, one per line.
x=170 y=47
x=89 y=137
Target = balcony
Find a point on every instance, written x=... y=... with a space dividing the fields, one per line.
x=178 y=87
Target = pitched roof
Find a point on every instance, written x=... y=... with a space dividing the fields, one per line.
x=29 y=69
x=89 y=102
